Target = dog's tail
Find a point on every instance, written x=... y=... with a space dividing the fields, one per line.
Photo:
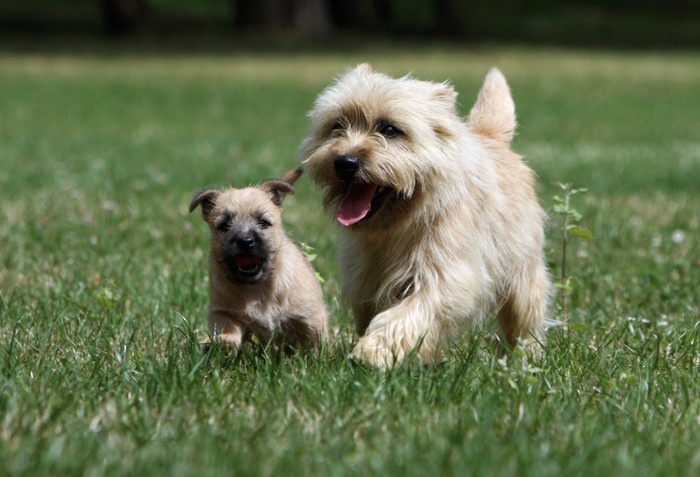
x=292 y=176
x=493 y=114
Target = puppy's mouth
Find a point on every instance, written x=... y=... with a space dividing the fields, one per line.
x=248 y=264
x=247 y=268
x=361 y=201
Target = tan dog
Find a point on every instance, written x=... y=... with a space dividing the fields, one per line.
x=441 y=225
x=260 y=282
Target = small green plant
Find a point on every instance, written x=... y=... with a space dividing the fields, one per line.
x=310 y=254
x=570 y=228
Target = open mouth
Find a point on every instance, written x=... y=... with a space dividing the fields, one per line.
x=248 y=264
x=361 y=202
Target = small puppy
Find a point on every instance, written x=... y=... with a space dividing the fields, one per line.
x=260 y=283
x=440 y=221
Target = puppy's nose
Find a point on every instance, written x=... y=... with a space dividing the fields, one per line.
x=346 y=167
x=245 y=243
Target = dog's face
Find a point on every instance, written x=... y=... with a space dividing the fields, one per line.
x=246 y=228
x=376 y=144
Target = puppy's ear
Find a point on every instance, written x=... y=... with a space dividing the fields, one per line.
x=292 y=176
x=493 y=114
x=277 y=189
x=206 y=198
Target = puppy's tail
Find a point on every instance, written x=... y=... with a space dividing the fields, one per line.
x=493 y=114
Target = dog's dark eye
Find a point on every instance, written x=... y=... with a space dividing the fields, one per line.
x=224 y=222
x=389 y=131
x=338 y=127
x=264 y=223
x=223 y=225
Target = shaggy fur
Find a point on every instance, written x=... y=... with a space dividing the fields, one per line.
x=260 y=282
x=440 y=221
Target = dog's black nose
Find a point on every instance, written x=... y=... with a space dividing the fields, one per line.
x=346 y=167
x=245 y=243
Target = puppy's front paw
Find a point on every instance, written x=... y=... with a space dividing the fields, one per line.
x=373 y=351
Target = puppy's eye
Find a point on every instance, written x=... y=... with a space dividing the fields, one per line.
x=223 y=225
x=389 y=131
x=224 y=222
x=264 y=223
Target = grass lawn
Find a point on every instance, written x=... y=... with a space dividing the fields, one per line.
x=103 y=291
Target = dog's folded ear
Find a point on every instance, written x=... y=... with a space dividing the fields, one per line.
x=445 y=92
x=277 y=189
x=493 y=114
x=206 y=198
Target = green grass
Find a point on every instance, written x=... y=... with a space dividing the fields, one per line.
x=103 y=293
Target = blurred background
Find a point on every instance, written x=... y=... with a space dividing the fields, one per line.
x=609 y=23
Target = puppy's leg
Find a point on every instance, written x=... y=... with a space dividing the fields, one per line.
x=306 y=331
x=225 y=330
x=522 y=315
x=396 y=332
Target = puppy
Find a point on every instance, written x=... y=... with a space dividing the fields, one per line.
x=440 y=221
x=260 y=283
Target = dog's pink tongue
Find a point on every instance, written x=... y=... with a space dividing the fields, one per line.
x=356 y=203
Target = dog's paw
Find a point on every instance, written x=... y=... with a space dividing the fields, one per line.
x=375 y=352
x=533 y=347
x=225 y=340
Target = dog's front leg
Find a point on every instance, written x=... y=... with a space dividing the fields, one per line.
x=410 y=325
x=362 y=314
x=224 y=329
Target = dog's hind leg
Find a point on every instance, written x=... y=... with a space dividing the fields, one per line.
x=305 y=331
x=522 y=315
